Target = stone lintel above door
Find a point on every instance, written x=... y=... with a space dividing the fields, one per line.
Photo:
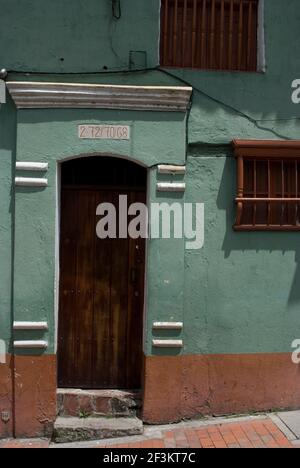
x=43 y=95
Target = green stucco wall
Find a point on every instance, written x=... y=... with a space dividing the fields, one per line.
x=241 y=290
x=239 y=294
x=76 y=35
x=7 y=158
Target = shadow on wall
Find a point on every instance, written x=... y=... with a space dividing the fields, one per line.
x=257 y=242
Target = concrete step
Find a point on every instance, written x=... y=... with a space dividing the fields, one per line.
x=77 y=429
x=96 y=403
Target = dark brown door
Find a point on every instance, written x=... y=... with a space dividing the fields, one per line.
x=101 y=296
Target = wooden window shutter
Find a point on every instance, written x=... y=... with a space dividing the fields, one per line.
x=209 y=34
x=268 y=185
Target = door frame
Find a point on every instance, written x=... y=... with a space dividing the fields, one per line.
x=57 y=243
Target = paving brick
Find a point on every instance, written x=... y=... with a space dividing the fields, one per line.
x=206 y=443
x=147 y=444
x=193 y=439
x=213 y=430
x=158 y=443
x=260 y=428
x=181 y=439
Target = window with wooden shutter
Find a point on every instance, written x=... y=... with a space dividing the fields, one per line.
x=209 y=34
x=268 y=185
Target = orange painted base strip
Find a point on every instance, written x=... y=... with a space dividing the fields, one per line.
x=35 y=395
x=174 y=388
x=194 y=385
x=6 y=397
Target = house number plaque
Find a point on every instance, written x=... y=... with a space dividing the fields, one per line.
x=104 y=132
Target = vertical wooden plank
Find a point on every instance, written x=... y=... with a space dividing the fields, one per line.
x=134 y=340
x=67 y=288
x=282 y=192
x=240 y=178
x=212 y=34
x=240 y=36
x=231 y=29
x=194 y=33
x=296 y=193
x=166 y=32
x=254 y=191
x=184 y=34
x=84 y=289
x=119 y=306
x=222 y=29
x=102 y=304
x=291 y=191
x=203 y=35
x=269 y=192
x=249 y=38
x=175 y=33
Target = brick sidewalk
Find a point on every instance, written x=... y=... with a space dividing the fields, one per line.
x=254 y=434
x=258 y=433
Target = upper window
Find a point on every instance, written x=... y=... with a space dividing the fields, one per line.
x=268 y=185
x=209 y=34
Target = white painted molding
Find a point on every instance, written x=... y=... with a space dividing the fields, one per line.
x=29 y=95
x=170 y=187
x=30 y=326
x=31 y=166
x=2 y=92
x=167 y=326
x=34 y=344
x=30 y=182
x=167 y=343
x=166 y=169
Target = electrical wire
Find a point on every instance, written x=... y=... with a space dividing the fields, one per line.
x=255 y=122
x=111 y=71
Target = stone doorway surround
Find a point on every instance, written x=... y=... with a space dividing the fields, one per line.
x=47 y=134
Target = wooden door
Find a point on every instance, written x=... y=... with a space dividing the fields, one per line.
x=101 y=296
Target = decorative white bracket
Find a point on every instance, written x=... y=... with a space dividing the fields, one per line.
x=30 y=182
x=167 y=343
x=32 y=166
x=173 y=170
x=170 y=187
x=34 y=344
x=167 y=326
x=30 y=326
x=2 y=92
